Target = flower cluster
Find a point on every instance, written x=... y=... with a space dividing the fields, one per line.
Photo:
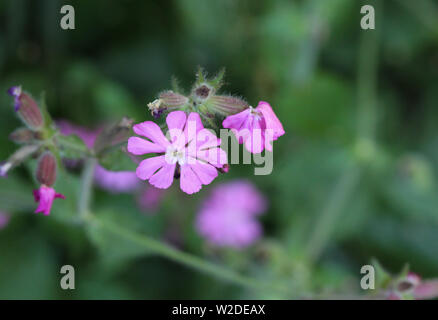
x=228 y=216
x=33 y=139
x=191 y=152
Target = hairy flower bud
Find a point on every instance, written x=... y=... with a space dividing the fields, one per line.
x=167 y=101
x=171 y=100
x=27 y=108
x=23 y=135
x=46 y=170
x=227 y=105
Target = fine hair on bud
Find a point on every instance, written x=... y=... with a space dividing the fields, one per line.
x=46 y=170
x=29 y=112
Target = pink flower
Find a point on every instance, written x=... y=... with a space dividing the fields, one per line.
x=191 y=152
x=45 y=196
x=228 y=216
x=256 y=127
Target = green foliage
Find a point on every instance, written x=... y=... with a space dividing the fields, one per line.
x=354 y=177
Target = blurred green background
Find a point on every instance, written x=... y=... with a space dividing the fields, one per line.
x=354 y=177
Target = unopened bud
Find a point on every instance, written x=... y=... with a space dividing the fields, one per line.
x=46 y=170
x=23 y=135
x=171 y=100
x=167 y=101
x=27 y=108
x=227 y=105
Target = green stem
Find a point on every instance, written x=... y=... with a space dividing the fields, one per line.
x=189 y=260
x=326 y=222
x=86 y=188
x=367 y=116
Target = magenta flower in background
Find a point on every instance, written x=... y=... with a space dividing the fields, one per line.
x=4 y=220
x=228 y=217
x=45 y=196
x=256 y=127
x=112 y=181
x=192 y=152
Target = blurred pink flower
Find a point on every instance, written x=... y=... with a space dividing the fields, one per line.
x=112 y=181
x=149 y=199
x=191 y=148
x=4 y=220
x=256 y=127
x=45 y=196
x=228 y=216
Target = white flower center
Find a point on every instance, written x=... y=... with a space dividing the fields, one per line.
x=173 y=155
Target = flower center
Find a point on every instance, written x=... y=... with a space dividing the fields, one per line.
x=173 y=155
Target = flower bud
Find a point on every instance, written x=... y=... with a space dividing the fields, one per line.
x=171 y=100
x=167 y=101
x=27 y=108
x=46 y=170
x=227 y=105
x=23 y=135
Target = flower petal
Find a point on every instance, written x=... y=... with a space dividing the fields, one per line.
x=139 y=146
x=236 y=121
x=189 y=181
x=151 y=131
x=271 y=119
x=255 y=141
x=149 y=166
x=163 y=178
x=176 y=120
x=193 y=126
x=205 y=172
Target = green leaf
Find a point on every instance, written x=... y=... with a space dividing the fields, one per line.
x=117 y=159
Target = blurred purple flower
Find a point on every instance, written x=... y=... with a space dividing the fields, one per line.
x=112 y=181
x=228 y=216
x=115 y=181
x=4 y=220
